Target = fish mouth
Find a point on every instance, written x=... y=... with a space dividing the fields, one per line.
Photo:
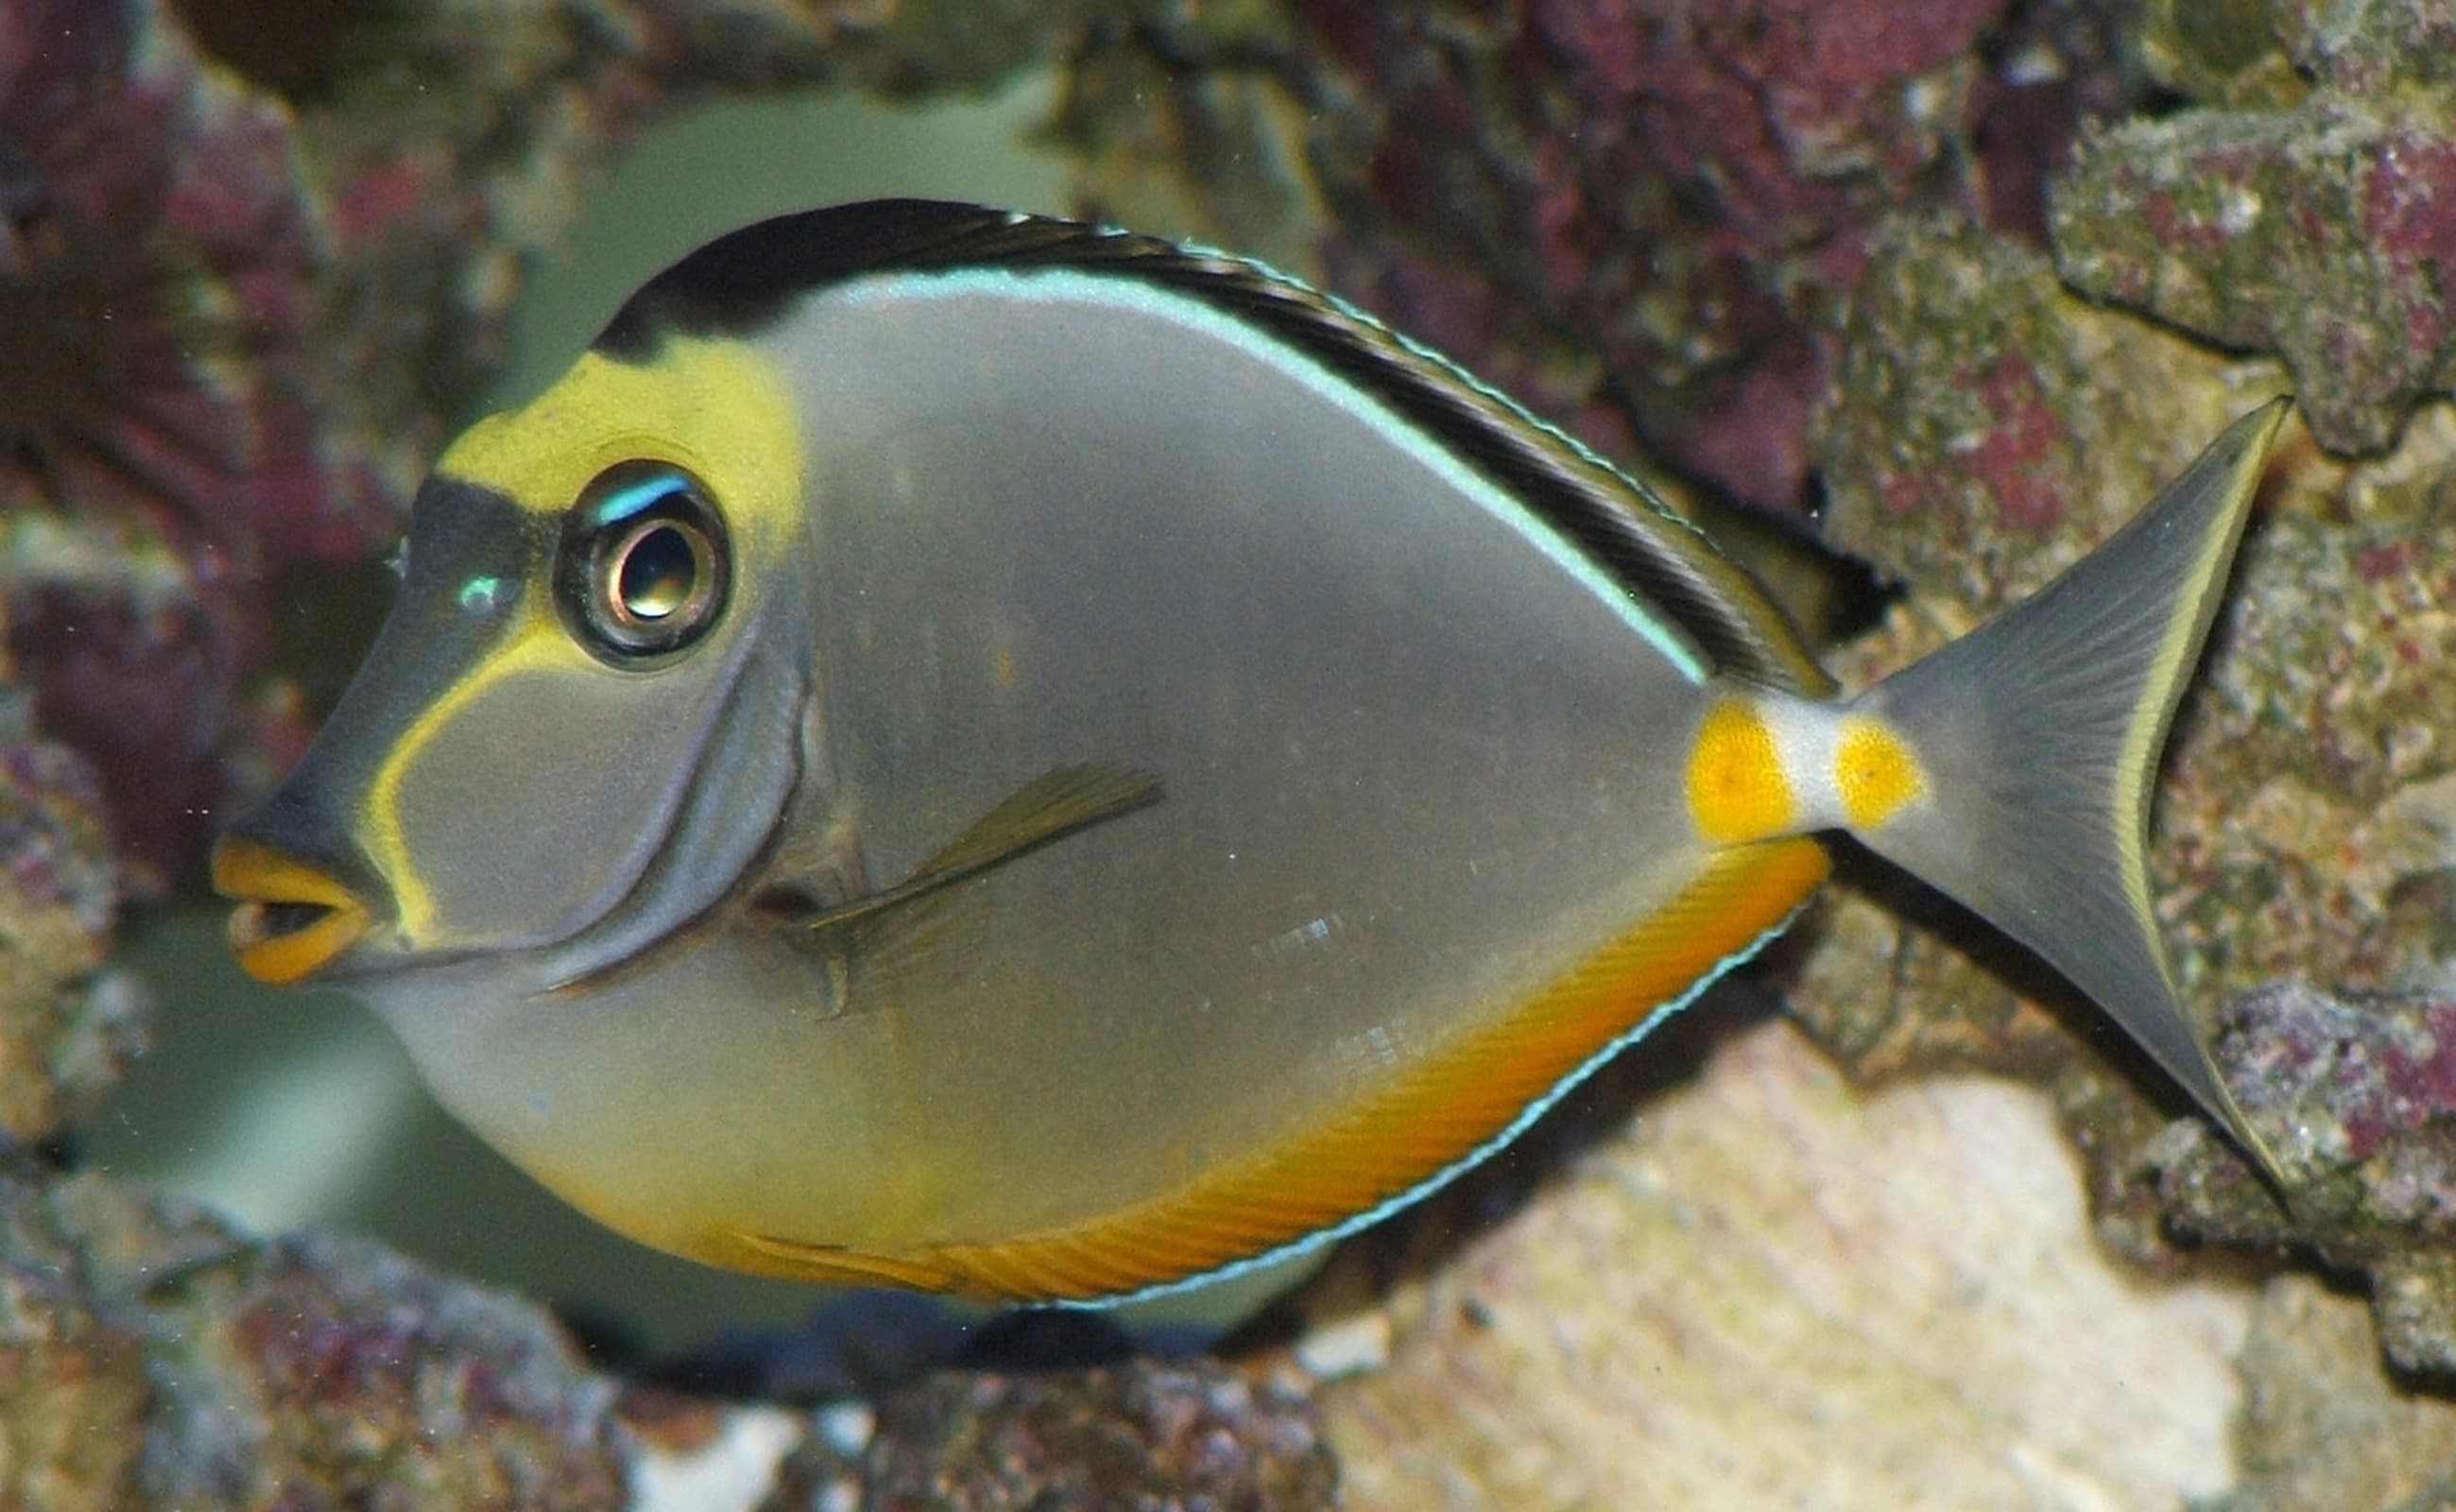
x=291 y=919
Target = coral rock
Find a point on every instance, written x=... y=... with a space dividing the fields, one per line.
x=2360 y=1097
x=166 y=436
x=1147 y=1435
x=2325 y=230
x=149 y=1357
x=66 y=1025
x=2323 y=1426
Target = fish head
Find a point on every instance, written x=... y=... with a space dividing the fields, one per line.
x=585 y=717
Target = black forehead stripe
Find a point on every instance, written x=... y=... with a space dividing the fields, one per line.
x=461 y=529
x=742 y=283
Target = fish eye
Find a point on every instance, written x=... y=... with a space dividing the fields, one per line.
x=643 y=568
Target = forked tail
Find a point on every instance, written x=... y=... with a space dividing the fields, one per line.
x=2037 y=740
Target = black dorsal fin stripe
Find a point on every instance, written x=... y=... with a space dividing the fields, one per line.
x=743 y=282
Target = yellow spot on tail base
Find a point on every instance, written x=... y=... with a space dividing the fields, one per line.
x=1737 y=789
x=1874 y=770
x=1385 y=1143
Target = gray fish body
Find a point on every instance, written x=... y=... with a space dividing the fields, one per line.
x=1410 y=757
x=1413 y=758
x=1041 y=764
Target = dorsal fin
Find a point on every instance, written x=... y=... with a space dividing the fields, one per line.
x=742 y=283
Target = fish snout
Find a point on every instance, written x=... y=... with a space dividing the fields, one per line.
x=295 y=916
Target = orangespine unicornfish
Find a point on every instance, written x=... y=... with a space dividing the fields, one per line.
x=974 y=751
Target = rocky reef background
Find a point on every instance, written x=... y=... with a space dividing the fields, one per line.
x=1953 y=282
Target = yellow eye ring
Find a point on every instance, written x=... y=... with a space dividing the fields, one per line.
x=643 y=568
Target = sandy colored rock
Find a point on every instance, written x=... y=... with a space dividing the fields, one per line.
x=1780 y=1291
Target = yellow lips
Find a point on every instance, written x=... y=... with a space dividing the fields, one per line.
x=290 y=918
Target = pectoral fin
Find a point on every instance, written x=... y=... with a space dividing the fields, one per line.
x=1044 y=810
x=884 y=935
x=1049 y=808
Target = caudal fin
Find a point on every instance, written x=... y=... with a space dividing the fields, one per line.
x=2038 y=738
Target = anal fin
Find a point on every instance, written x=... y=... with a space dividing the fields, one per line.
x=833 y=1265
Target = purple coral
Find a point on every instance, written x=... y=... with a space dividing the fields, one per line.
x=1648 y=214
x=160 y=448
x=2359 y=1093
x=157 y=288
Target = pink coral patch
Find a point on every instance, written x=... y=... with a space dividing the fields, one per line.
x=2017 y=457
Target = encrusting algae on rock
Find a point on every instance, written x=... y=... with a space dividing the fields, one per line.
x=67 y=1022
x=2320 y=224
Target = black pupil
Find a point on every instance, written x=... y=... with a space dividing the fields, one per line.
x=657 y=574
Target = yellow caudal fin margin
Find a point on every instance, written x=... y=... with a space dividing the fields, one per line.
x=1400 y=1139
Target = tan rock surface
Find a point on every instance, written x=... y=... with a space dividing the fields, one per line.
x=1778 y=1290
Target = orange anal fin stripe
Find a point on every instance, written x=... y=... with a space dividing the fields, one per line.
x=1407 y=1135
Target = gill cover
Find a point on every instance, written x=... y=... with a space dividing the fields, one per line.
x=577 y=727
